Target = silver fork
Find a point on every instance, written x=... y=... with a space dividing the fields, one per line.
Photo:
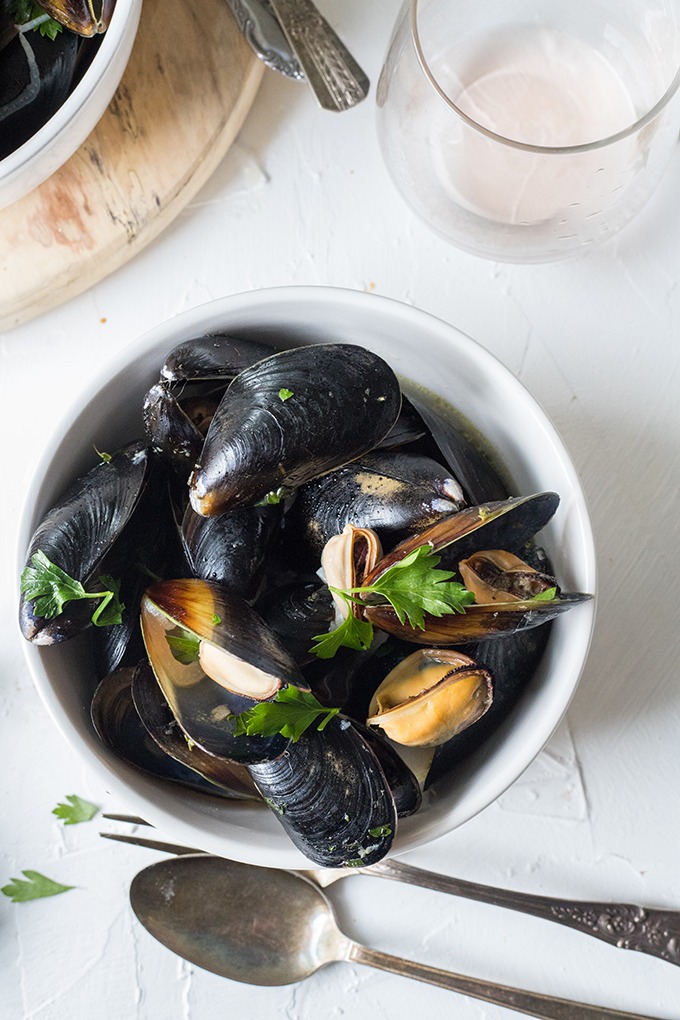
x=623 y=925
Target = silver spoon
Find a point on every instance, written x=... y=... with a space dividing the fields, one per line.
x=623 y=925
x=262 y=926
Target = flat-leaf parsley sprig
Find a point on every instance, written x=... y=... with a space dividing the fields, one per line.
x=50 y=588
x=290 y=713
x=412 y=586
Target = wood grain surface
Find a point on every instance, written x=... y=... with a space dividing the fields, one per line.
x=188 y=86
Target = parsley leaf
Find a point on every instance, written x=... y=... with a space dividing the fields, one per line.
x=35 y=888
x=290 y=713
x=413 y=586
x=50 y=588
x=273 y=497
x=285 y=394
x=184 y=645
x=544 y=596
x=351 y=633
x=77 y=810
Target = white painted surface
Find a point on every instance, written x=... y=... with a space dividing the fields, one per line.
x=303 y=198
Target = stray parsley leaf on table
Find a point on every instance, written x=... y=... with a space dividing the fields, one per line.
x=50 y=588
x=33 y=886
x=290 y=713
x=77 y=810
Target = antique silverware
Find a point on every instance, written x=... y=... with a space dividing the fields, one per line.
x=262 y=926
x=623 y=925
x=331 y=71
x=265 y=36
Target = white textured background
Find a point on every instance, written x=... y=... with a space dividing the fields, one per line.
x=303 y=198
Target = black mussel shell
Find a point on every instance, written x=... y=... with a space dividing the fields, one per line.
x=170 y=432
x=393 y=493
x=401 y=780
x=408 y=428
x=36 y=78
x=79 y=532
x=330 y=794
x=119 y=726
x=157 y=719
x=297 y=613
x=231 y=549
x=478 y=476
x=291 y=418
x=214 y=356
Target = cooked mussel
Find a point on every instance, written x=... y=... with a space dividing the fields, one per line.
x=346 y=559
x=431 y=696
x=508 y=523
x=291 y=418
x=119 y=726
x=213 y=356
x=79 y=532
x=214 y=658
x=392 y=492
x=330 y=794
x=495 y=575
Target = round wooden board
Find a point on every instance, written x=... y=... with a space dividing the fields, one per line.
x=188 y=86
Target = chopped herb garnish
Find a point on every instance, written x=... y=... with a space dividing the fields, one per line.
x=76 y=811
x=285 y=394
x=24 y=12
x=50 y=588
x=106 y=457
x=380 y=831
x=273 y=497
x=413 y=586
x=352 y=633
x=184 y=645
x=216 y=619
x=36 y=887
x=290 y=713
x=544 y=596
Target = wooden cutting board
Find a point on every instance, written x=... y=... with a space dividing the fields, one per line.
x=188 y=86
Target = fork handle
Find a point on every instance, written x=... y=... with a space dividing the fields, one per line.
x=624 y=925
x=545 y=1007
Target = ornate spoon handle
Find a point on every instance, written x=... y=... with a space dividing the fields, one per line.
x=331 y=71
x=625 y=925
x=545 y=1007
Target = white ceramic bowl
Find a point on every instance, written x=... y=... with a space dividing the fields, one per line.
x=45 y=151
x=420 y=348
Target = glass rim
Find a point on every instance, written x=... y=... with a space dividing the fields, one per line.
x=514 y=143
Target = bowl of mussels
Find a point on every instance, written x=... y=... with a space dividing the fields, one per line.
x=61 y=62
x=306 y=576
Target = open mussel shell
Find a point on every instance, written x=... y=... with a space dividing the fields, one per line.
x=393 y=493
x=477 y=622
x=330 y=794
x=119 y=726
x=231 y=549
x=214 y=658
x=502 y=524
x=79 y=16
x=291 y=418
x=495 y=575
x=430 y=696
x=80 y=531
x=154 y=712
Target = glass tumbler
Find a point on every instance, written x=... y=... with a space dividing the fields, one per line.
x=529 y=130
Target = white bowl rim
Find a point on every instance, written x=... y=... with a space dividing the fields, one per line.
x=192 y=322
